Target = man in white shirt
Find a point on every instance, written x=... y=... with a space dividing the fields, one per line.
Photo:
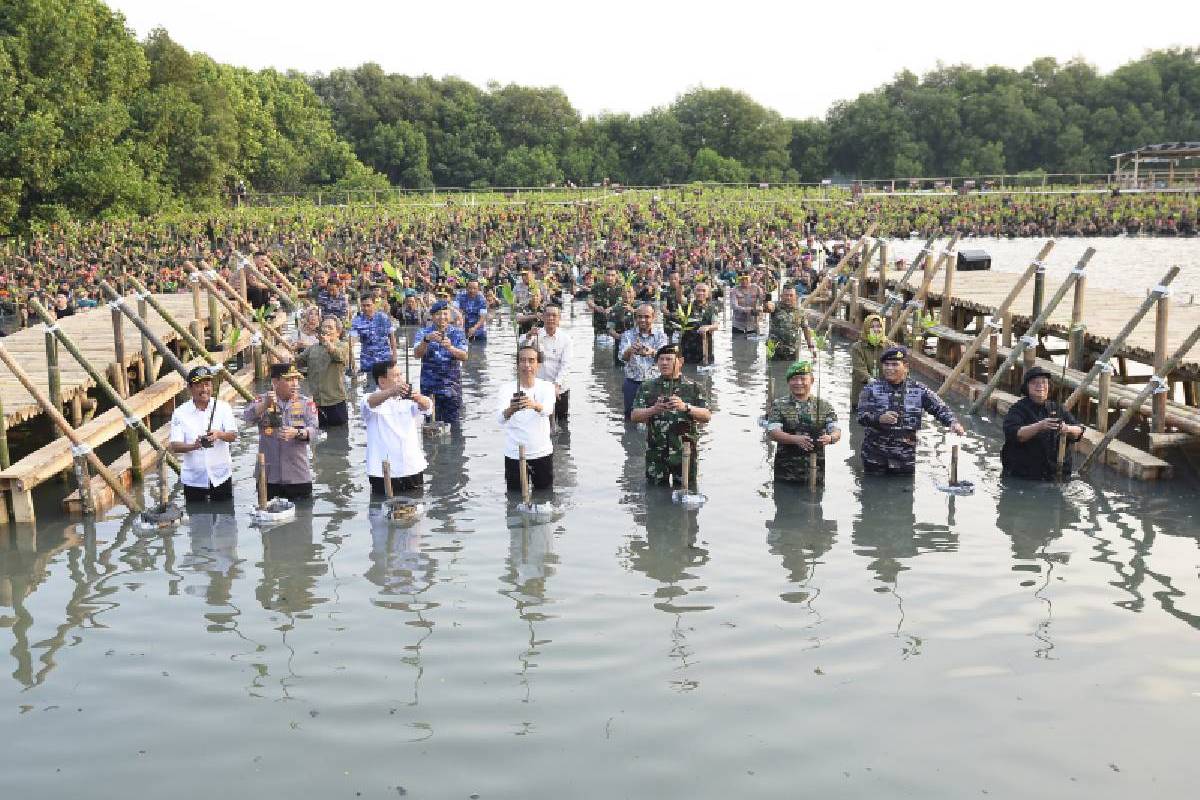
x=393 y=413
x=201 y=430
x=524 y=409
x=554 y=345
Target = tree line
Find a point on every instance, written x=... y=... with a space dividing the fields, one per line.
x=94 y=123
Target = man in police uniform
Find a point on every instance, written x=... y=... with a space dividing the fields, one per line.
x=891 y=409
x=787 y=321
x=287 y=422
x=673 y=409
x=801 y=425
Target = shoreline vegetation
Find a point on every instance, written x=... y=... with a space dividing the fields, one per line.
x=95 y=124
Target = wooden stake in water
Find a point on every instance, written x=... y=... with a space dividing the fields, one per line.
x=954 y=465
x=163 y=487
x=524 y=478
x=687 y=468
x=387 y=480
x=262 y=481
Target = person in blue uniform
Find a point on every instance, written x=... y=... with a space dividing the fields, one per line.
x=474 y=306
x=891 y=410
x=442 y=348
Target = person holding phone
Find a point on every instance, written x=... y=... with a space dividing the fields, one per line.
x=523 y=409
x=392 y=415
x=201 y=431
x=1032 y=428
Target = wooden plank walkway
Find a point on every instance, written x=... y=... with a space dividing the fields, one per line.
x=1105 y=311
x=92 y=333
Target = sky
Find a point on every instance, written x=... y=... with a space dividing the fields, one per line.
x=622 y=56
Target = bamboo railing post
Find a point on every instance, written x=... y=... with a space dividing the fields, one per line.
x=1002 y=311
x=53 y=375
x=1077 y=341
x=4 y=461
x=881 y=292
x=133 y=425
x=852 y=311
x=118 y=323
x=946 y=312
x=524 y=476
x=1028 y=339
x=80 y=448
x=197 y=312
x=1039 y=291
x=1156 y=382
x=149 y=365
x=216 y=333
x=194 y=344
x=1162 y=317
x=288 y=303
x=243 y=289
x=1102 y=400
x=87 y=505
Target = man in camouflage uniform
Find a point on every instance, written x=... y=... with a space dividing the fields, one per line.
x=673 y=409
x=698 y=319
x=787 y=321
x=605 y=297
x=801 y=425
x=891 y=410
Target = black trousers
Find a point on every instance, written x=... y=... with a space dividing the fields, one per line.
x=289 y=491
x=208 y=494
x=561 y=407
x=333 y=416
x=409 y=483
x=541 y=472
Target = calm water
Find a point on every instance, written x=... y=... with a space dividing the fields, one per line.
x=880 y=640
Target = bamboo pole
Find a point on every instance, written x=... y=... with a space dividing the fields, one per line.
x=192 y=343
x=133 y=424
x=197 y=312
x=1025 y=341
x=1001 y=311
x=80 y=448
x=164 y=489
x=919 y=299
x=388 y=491
x=883 y=270
x=922 y=259
x=216 y=333
x=1158 y=380
x=4 y=462
x=1039 y=291
x=686 y=470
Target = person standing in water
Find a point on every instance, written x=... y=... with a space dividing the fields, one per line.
x=800 y=425
x=201 y=434
x=1032 y=428
x=524 y=409
x=864 y=356
x=891 y=409
x=673 y=409
x=287 y=423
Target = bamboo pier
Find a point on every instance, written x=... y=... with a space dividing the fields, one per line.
x=145 y=380
x=1074 y=324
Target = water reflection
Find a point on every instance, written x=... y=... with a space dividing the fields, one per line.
x=800 y=535
x=291 y=566
x=667 y=550
x=530 y=565
x=886 y=528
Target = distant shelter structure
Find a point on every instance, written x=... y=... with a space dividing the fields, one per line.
x=1170 y=165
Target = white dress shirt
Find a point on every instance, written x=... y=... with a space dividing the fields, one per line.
x=392 y=434
x=208 y=465
x=556 y=354
x=527 y=427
